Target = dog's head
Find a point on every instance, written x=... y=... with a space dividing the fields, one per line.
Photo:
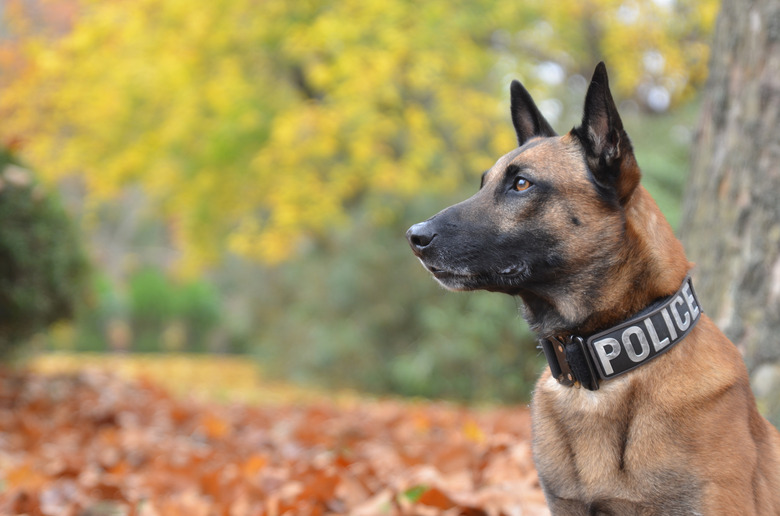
x=549 y=213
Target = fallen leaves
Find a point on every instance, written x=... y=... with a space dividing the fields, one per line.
x=94 y=444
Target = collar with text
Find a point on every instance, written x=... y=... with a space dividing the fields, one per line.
x=579 y=361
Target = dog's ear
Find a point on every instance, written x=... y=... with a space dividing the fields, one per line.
x=607 y=146
x=526 y=117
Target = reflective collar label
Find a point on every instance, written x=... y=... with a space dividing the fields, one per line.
x=634 y=342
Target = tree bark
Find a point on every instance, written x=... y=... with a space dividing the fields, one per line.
x=731 y=212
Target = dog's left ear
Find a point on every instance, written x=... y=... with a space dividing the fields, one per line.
x=526 y=117
x=607 y=146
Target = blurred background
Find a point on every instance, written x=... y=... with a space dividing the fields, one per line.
x=236 y=177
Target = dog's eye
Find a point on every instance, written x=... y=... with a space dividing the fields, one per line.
x=521 y=184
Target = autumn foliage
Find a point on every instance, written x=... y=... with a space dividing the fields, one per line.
x=251 y=125
x=91 y=443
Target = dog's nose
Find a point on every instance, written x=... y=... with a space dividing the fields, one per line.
x=420 y=236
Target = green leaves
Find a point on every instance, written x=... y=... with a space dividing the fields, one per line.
x=42 y=263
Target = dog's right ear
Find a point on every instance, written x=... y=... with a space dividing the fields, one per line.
x=526 y=117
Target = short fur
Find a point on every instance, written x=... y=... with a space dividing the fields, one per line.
x=586 y=247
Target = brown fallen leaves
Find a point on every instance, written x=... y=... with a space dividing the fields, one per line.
x=92 y=444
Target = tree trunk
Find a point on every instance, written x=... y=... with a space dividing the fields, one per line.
x=731 y=219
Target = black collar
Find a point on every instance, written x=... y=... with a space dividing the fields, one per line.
x=579 y=361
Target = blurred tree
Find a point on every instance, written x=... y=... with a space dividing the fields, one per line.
x=253 y=125
x=159 y=306
x=734 y=188
x=42 y=266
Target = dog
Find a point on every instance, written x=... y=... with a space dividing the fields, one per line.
x=646 y=407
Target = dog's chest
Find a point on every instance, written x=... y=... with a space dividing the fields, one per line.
x=580 y=453
x=604 y=451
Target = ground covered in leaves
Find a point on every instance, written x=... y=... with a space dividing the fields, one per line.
x=92 y=444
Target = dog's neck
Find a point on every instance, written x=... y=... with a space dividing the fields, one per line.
x=651 y=264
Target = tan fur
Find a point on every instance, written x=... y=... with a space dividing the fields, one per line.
x=688 y=417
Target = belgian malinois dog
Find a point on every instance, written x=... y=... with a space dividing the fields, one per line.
x=646 y=407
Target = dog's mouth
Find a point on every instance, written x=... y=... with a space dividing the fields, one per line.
x=454 y=279
x=442 y=273
x=500 y=279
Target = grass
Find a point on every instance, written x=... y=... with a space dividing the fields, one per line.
x=220 y=378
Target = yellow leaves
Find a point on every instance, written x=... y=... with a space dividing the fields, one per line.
x=254 y=126
x=650 y=40
x=227 y=86
x=473 y=432
x=213 y=426
x=254 y=464
x=24 y=476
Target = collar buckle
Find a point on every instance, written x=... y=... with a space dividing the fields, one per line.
x=570 y=362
